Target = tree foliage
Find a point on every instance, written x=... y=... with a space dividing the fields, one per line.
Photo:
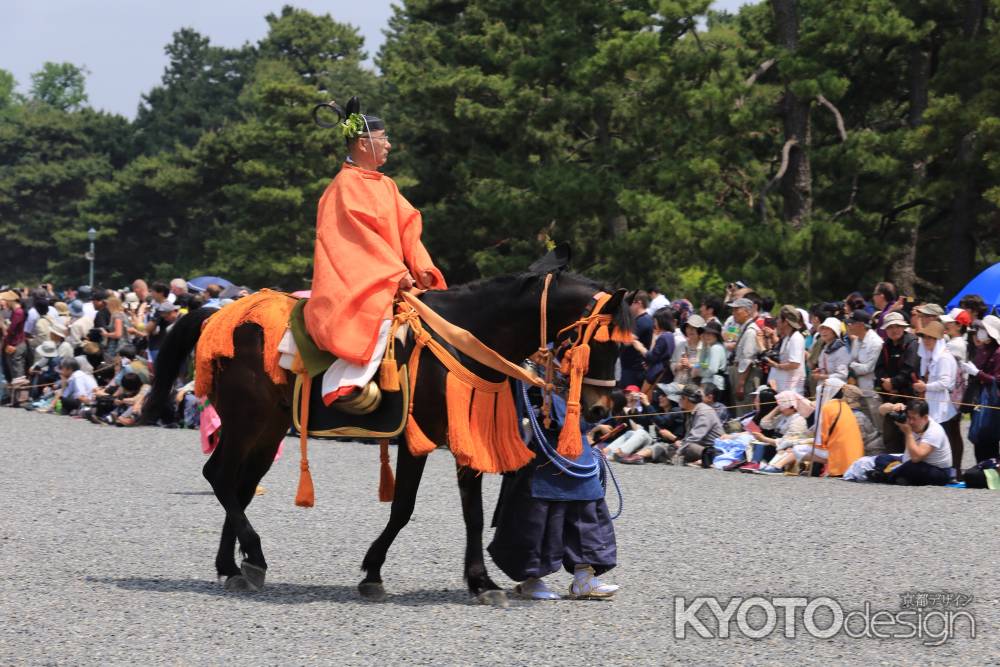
x=807 y=147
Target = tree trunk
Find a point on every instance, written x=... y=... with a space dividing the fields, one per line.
x=904 y=268
x=962 y=252
x=796 y=184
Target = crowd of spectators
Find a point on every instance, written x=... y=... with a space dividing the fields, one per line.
x=89 y=352
x=865 y=389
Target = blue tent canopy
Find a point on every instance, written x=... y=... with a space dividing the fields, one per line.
x=201 y=282
x=986 y=285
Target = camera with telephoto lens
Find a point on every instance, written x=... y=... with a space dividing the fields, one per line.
x=898 y=416
x=770 y=356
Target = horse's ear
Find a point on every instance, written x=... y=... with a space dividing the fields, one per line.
x=556 y=260
x=614 y=304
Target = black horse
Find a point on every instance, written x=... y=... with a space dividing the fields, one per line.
x=502 y=312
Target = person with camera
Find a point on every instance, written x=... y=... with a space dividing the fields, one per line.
x=926 y=458
x=636 y=405
x=702 y=428
x=937 y=374
x=744 y=372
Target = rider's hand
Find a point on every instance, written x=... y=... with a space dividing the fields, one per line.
x=425 y=280
x=406 y=283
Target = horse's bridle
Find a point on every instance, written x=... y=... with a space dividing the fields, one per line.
x=593 y=324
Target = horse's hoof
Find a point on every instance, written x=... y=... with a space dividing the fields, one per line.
x=495 y=598
x=373 y=591
x=237 y=583
x=254 y=574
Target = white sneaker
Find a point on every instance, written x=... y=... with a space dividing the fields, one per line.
x=586 y=586
x=535 y=589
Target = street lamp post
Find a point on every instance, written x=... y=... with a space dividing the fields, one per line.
x=91 y=235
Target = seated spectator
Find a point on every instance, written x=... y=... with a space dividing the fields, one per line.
x=894 y=372
x=838 y=432
x=702 y=427
x=711 y=398
x=871 y=437
x=926 y=459
x=45 y=371
x=788 y=420
x=636 y=405
x=77 y=386
x=924 y=314
x=835 y=359
x=57 y=334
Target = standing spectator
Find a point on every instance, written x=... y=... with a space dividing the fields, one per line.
x=178 y=290
x=985 y=369
x=160 y=293
x=44 y=317
x=212 y=293
x=924 y=313
x=85 y=294
x=102 y=316
x=788 y=372
x=835 y=358
x=80 y=323
x=632 y=365
x=743 y=371
x=937 y=378
x=15 y=343
x=686 y=353
x=657 y=300
x=956 y=325
x=159 y=327
x=895 y=371
x=711 y=366
x=866 y=348
x=141 y=290
x=710 y=309
x=657 y=358
x=884 y=301
x=58 y=334
x=115 y=332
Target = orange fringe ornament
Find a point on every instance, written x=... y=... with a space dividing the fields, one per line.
x=386 y=482
x=482 y=426
x=306 y=494
x=570 y=437
x=267 y=309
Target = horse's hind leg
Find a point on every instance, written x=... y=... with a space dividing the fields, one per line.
x=470 y=486
x=409 y=469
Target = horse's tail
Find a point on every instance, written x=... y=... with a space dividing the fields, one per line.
x=173 y=353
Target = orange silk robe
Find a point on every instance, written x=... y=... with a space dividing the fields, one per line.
x=367 y=239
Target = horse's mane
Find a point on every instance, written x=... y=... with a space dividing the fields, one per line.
x=489 y=290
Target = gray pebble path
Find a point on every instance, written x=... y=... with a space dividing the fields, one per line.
x=108 y=537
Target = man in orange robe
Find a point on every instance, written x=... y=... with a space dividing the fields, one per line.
x=368 y=248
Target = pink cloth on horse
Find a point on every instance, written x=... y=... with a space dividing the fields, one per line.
x=209 y=426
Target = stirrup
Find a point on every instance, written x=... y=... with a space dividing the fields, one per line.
x=361 y=403
x=535 y=589
x=590 y=587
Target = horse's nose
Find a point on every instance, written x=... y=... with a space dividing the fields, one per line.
x=597 y=413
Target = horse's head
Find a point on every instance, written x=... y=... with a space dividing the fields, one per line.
x=583 y=315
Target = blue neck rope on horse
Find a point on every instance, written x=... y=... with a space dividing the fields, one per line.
x=598 y=467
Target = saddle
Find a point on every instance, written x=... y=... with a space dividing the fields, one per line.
x=377 y=412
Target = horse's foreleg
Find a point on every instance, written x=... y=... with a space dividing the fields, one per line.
x=470 y=487
x=409 y=469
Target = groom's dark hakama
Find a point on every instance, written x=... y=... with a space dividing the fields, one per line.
x=546 y=518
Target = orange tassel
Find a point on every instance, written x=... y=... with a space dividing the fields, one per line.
x=388 y=376
x=306 y=494
x=621 y=336
x=602 y=335
x=460 y=400
x=570 y=438
x=386 y=482
x=416 y=439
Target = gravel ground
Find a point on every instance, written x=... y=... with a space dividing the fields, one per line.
x=108 y=536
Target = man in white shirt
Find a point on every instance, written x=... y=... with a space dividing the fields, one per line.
x=788 y=373
x=866 y=347
x=78 y=387
x=744 y=372
x=927 y=457
x=656 y=301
